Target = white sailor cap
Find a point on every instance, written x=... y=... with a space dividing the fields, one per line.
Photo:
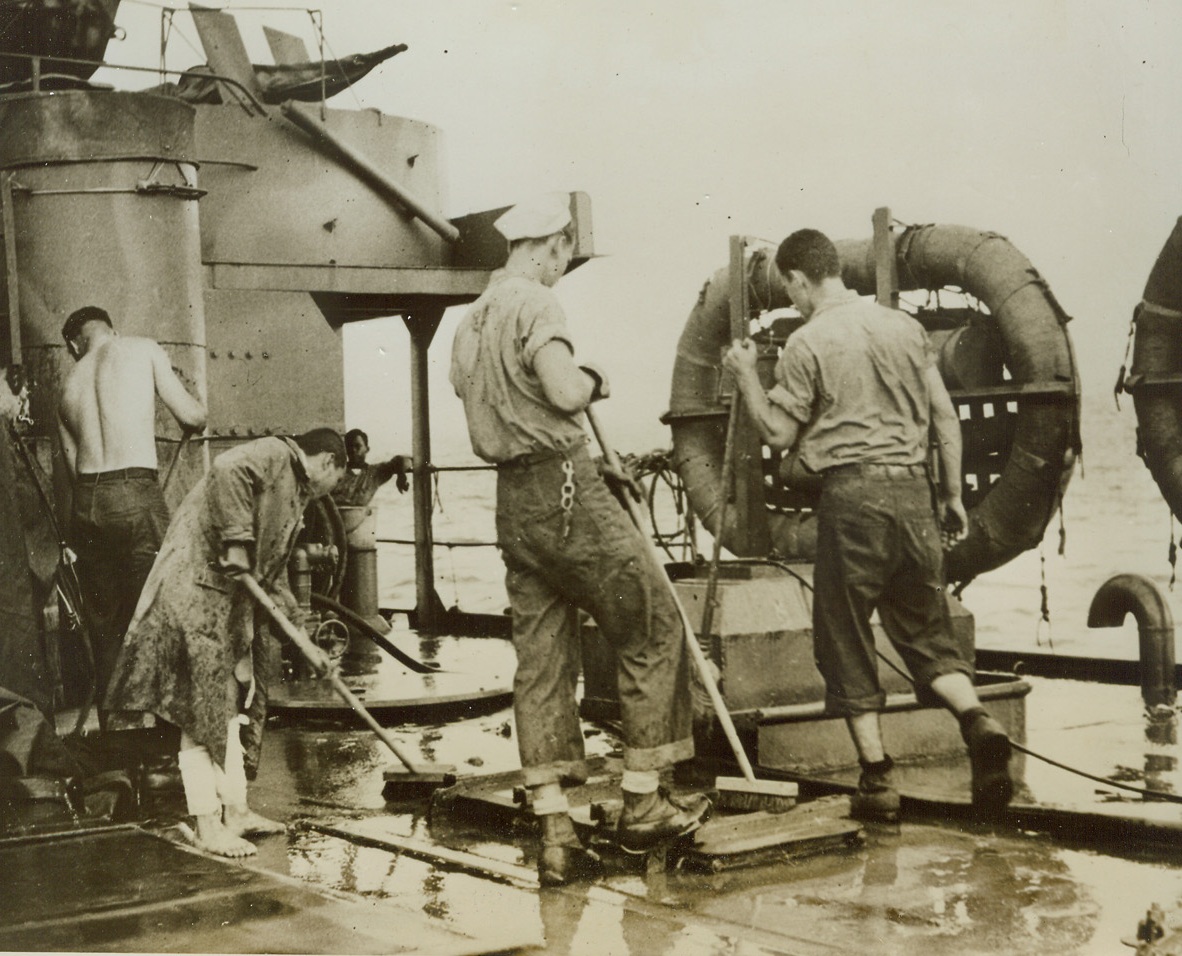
x=536 y=217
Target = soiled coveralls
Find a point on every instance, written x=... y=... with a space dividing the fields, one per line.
x=567 y=544
x=855 y=376
x=194 y=624
x=118 y=522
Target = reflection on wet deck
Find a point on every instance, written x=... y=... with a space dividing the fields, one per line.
x=919 y=887
x=927 y=885
x=473 y=676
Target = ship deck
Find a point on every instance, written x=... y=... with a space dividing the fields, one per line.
x=356 y=874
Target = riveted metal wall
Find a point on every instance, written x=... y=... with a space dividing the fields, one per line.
x=274 y=366
x=103 y=209
x=275 y=198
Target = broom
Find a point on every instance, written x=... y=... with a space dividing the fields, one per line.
x=419 y=778
x=734 y=793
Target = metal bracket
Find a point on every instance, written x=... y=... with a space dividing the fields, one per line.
x=886 y=270
x=1140 y=380
x=150 y=186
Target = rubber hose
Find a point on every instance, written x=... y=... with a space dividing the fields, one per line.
x=355 y=619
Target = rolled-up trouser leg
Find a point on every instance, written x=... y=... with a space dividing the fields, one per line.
x=209 y=787
x=638 y=618
x=199 y=778
x=623 y=590
x=232 y=780
x=856 y=550
x=545 y=636
x=914 y=608
x=592 y=557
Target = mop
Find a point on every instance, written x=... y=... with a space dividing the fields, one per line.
x=419 y=778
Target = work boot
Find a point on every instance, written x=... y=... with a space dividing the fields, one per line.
x=649 y=819
x=876 y=800
x=564 y=859
x=989 y=755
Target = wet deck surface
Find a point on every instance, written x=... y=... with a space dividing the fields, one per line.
x=453 y=885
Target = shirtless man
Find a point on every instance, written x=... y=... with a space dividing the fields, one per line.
x=107 y=424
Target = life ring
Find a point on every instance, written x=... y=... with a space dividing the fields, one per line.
x=1157 y=371
x=1010 y=369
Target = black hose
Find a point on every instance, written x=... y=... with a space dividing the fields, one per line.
x=340 y=539
x=1154 y=794
x=352 y=617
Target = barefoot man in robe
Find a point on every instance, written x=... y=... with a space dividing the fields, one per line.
x=197 y=653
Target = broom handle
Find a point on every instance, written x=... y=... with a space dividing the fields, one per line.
x=728 y=475
x=637 y=511
x=304 y=643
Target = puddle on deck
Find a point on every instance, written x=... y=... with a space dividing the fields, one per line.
x=920 y=887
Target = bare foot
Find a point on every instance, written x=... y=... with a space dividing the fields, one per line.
x=213 y=837
x=245 y=822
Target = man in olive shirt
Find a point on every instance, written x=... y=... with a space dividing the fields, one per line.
x=567 y=544
x=857 y=388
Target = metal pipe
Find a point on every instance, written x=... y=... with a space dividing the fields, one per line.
x=427 y=604
x=367 y=171
x=1126 y=594
x=198 y=74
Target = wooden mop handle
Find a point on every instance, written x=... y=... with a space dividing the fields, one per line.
x=637 y=512
x=307 y=648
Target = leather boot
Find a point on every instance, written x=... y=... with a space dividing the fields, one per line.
x=649 y=819
x=876 y=799
x=989 y=755
x=564 y=859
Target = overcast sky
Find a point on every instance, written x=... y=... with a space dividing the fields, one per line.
x=1053 y=122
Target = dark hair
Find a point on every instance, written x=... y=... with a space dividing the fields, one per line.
x=356 y=433
x=810 y=252
x=567 y=232
x=79 y=317
x=321 y=440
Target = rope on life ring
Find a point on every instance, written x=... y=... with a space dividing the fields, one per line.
x=1009 y=367
x=1157 y=371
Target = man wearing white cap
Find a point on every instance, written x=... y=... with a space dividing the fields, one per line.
x=567 y=544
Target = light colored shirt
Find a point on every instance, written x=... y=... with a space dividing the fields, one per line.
x=492 y=371
x=855 y=375
x=357 y=486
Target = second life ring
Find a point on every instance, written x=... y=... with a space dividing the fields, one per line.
x=1157 y=371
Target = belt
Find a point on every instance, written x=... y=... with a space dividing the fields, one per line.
x=879 y=470
x=531 y=458
x=116 y=475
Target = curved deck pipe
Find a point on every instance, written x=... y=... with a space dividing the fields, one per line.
x=1125 y=594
